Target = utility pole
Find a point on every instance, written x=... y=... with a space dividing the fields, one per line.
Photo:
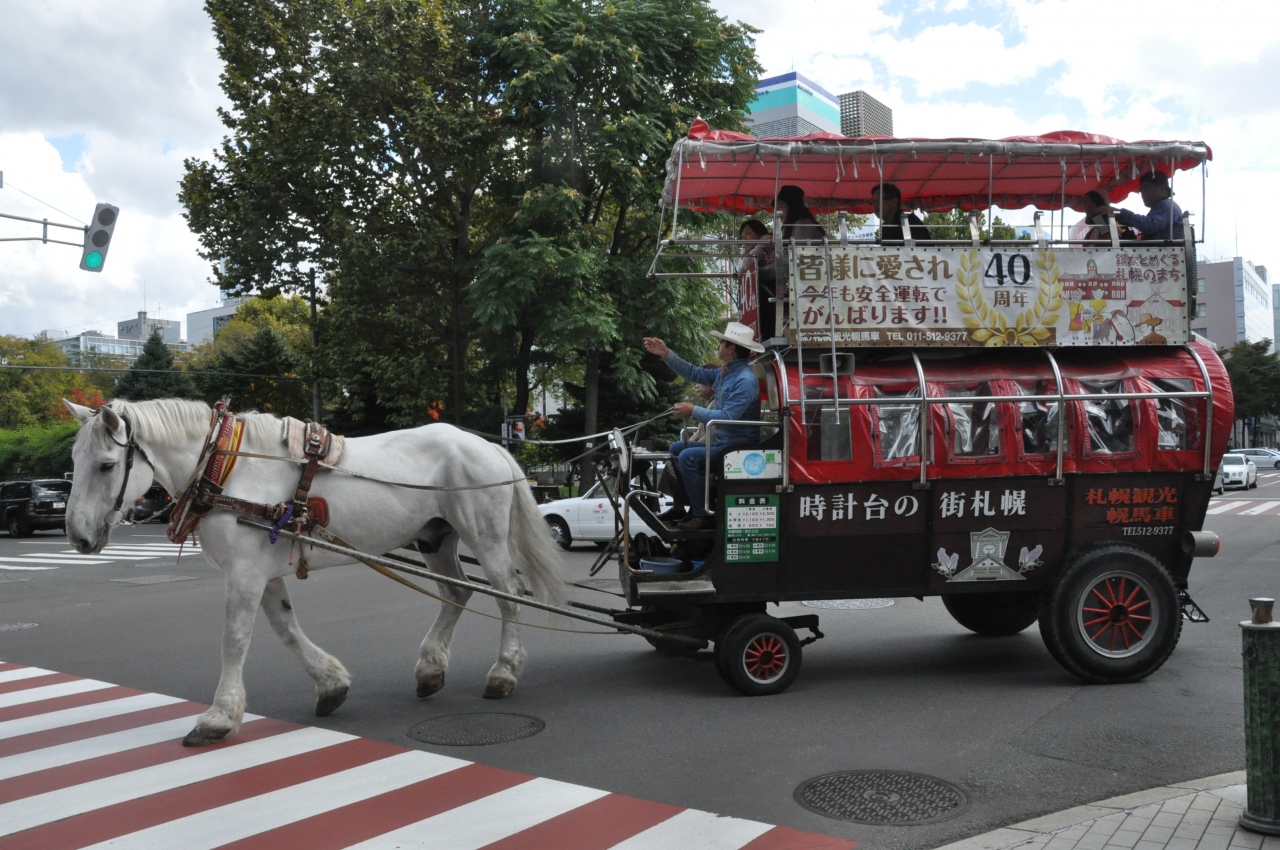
x=315 y=378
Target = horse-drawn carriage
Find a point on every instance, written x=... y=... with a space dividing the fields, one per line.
x=945 y=414
x=953 y=415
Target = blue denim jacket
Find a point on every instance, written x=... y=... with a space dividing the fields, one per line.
x=1156 y=224
x=737 y=394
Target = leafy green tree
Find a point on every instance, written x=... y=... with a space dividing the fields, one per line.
x=32 y=396
x=153 y=375
x=476 y=180
x=955 y=225
x=1255 y=379
x=259 y=374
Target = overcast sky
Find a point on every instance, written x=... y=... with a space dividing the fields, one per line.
x=102 y=101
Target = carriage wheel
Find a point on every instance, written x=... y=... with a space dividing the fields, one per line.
x=560 y=532
x=994 y=614
x=1112 y=615
x=759 y=655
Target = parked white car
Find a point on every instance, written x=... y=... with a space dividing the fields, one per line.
x=1238 y=471
x=1261 y=457
x=589 y=517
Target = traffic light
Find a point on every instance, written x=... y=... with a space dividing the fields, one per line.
x=97 y=239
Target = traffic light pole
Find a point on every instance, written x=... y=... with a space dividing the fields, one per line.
x=45 y=237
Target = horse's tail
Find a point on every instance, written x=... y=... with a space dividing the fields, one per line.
x=530 y=544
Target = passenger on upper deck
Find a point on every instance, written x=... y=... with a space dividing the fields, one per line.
x=797 y=221
x=762 y=255
x=737 y=392
x=887 y=199
x=1165 y=219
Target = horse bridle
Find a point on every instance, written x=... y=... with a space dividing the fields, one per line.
x=130 y=446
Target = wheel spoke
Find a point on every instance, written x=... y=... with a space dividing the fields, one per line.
x=1096 y=620
x=1137 y=588
x=1141 y=604
x=1136 y=632
x=1139 y=617
x=1100 y=631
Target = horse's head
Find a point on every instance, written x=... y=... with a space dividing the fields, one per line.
x=111 y=471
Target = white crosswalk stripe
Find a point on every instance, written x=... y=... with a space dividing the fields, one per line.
x=114 y=774
x=131 y=552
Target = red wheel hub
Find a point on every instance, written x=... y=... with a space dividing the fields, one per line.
x=765 y=657
x=1117 y=611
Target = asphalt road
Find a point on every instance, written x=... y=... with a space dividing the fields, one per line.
x=897 y=688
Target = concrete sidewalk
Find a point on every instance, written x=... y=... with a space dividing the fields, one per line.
x=1197 y=815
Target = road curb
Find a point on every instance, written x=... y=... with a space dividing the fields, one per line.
x=1052 y=827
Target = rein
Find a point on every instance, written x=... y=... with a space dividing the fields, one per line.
x=130 y=445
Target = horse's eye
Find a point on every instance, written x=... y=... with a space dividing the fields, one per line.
x=107 y=467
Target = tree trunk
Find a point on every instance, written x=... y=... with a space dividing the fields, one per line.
x=524 y=358
x=591 y=409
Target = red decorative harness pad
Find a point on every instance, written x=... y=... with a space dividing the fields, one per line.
x=225 y=434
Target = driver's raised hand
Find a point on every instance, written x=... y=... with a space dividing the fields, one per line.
x=655 y=346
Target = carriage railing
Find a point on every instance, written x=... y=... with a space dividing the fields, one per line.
x=1061 y=397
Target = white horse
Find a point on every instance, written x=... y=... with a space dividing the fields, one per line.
x=501 y=525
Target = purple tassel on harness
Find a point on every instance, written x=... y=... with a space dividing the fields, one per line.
x=284 y=518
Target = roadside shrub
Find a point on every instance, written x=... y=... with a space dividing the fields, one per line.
x=36 y=452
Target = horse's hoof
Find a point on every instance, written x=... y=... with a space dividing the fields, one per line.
x=198 y=737
x=328 y=703
x=430 y=684
x=499 y=689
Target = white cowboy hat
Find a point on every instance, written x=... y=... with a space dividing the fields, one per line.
x=739 y=334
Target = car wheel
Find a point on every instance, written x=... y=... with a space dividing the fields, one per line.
x=560 y=532
x=19 y=525
x=994 y=614
x=1111 y=615
x=759 y=655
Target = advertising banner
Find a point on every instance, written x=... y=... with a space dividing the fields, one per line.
x=999 y=296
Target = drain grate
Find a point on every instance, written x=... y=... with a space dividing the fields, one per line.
x=152 y=579
x=16 y=627
x=882 y=797
x=849 y=604
x=476 y=730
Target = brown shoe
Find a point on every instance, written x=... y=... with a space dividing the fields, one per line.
x=697 y=523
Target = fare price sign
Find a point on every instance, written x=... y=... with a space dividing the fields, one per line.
x=1000 y=296
x=751 y=529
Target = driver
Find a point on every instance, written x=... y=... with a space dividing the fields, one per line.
x=737 y=394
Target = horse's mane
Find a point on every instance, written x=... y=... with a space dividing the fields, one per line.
x=176 y=419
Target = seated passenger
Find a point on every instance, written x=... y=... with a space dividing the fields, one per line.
x=1095 y=224
x=1165 y=218
x=887 y=199
x=797 y=222
x=737 y=393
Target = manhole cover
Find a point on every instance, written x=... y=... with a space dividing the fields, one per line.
x=476 y=730
x=882 y=797
x=849 y=604
x=152 y=579
x=16 y=627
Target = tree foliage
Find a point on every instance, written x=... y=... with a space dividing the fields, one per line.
x=955 y=225
x=153 y=374
x=33 y=397
x=1255 y=378
x=260 y=357
x=487 y=172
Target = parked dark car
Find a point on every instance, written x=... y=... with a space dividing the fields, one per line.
x=155 y=505
x=30 y=506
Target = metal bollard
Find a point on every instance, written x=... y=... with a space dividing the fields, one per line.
x=1261 y=638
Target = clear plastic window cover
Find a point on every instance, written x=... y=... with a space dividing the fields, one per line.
x=1177 y=418
x=898 y=425
x=1039 y=419
x=1109 y=420
x=976 y=425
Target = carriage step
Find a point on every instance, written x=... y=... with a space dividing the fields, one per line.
x=686 y=587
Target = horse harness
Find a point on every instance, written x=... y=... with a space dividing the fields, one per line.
x=204 y=492
x=130 y=445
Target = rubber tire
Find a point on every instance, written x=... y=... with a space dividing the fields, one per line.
x=1061 y=632
x=740 y=635
x=19 y=526
x=994 y=614
x=560 y=532
x=1253 y=486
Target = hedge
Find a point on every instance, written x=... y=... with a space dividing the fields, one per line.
x=36 y=452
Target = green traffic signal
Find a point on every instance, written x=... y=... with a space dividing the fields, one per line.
x=93 y=260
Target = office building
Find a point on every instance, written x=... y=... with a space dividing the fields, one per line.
x=792 y=105
x=863 y=115
x=95 y=348
x=142 y=327
x=1234 y=303
x=203 y=324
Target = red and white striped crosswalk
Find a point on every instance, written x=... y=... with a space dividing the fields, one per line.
x=85 y=763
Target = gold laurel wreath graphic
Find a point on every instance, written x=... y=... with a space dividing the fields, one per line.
x=992 y=328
